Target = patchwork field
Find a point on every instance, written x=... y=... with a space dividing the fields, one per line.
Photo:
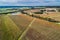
x=24 y=27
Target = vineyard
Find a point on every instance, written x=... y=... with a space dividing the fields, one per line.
x=24 y=27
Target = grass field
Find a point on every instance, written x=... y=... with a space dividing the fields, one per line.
x=9 y=29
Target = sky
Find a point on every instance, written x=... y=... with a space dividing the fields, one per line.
x=29 y=2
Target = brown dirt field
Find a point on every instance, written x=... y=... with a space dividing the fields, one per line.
x=21 y=21
x=43 y=30
x=39 y=30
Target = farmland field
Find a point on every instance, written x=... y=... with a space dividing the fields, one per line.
x=21 y=21
x=9 y=31
x=43 y=30
x=24 y=27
